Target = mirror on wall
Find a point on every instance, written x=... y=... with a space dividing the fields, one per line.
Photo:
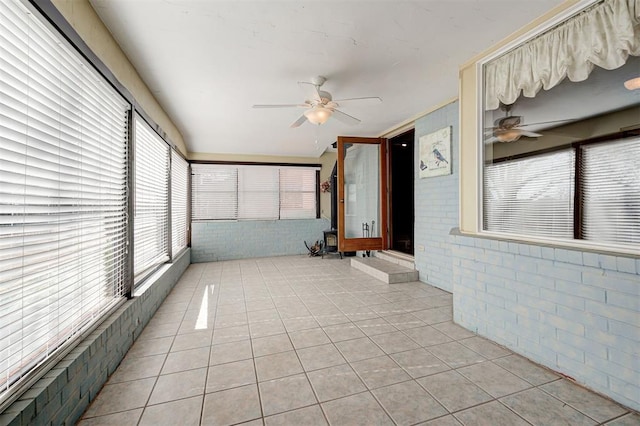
x=561 y=133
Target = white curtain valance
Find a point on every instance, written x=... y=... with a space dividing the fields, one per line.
x=604 y=35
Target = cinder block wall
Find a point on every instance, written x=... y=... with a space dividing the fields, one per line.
x=436 y=204
x=214 y=241
x=65 y=392
x=574 y=311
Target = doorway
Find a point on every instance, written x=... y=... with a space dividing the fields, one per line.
x=401 y=201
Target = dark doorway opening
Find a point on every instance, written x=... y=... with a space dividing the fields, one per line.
x=401 y=177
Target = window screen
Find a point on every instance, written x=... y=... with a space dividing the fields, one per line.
x=610 y=174
x=179 y=191
x=63 y=212
x=151 y=207
x=531 y=196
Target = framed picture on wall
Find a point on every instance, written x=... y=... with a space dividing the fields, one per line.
x=435 y=153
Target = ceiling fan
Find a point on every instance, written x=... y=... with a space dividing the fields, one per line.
x=320 y=106
x=510 y=127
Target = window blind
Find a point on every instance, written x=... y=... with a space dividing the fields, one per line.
x=531 y=196
x=179 y=191
x=151 y=207
x=298 y=188
x=63 y=215
x=258 y=192
x=611 y=192
x=214 y=192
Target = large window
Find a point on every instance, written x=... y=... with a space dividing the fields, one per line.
x=63 y=211
x=179 y=191
x=253 y=192
x=151 y=206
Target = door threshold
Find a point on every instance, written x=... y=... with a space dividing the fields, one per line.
x=399 y=254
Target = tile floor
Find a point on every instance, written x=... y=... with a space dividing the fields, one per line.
x=310 y=341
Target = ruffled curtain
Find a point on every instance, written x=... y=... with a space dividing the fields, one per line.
x=603 y=35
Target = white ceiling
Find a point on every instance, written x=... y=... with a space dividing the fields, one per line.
x=208 y=61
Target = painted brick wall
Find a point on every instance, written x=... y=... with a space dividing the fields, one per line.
x=213 y=241
x=573 y=311
x=65 y=392
x=436 y=205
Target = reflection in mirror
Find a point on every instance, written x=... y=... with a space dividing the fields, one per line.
x=362 y=190
x=562 y=152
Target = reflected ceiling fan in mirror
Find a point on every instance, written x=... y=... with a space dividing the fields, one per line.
x=320 y=106
x=510 y=128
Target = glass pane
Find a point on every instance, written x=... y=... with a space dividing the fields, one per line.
x=362 y=190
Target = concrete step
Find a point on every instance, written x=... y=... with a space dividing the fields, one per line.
x=396 y=257
x=388 y=272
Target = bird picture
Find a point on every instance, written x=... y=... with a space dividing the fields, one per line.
x=439 y=157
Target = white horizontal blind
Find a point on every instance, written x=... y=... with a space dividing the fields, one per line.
x=179 y=191
x=151 y=207
x=258 y=192
x=610 y=174
x=298 y=188
x=531 y=196
x=63 y=215
x=214 y=192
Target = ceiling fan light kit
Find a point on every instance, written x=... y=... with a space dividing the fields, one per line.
x=632 y=84
x=318 y=114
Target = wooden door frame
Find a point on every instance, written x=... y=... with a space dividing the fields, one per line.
x=355 y=244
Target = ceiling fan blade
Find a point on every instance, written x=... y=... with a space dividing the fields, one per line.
x=282 y=106
x=310 y=90
x=299 y=121
x=365 y=100
x=547 y=122
x=345 y=118
x=529 y=134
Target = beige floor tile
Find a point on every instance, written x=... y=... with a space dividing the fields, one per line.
x=340 y=332
x=359 y=349
x=186 y=360
x=522 y=367
x=335 y=382
x=121 y=397
x=306 y=338
x=175 y=386
x=231 y=308
x=359 y=409
x=317 y=357
x=148 y=347
x=288 y=393
x=153 y=331
x=308 y=416
x=434 y=315
x=263 y=315
x=271 y=345
x=455 y=354
x=266 y=328
x=408 y=403
x=404 y=321
x=231 y=375
x=372 y=327
x=419 y=363
x=427 y=336
x=540 y=408
x=453 y=330
x=130 y=417
x=448 y=420
x=325 y=320
x=631 y=419
x=277 y=365
x=394 y=342
x=380 y=371
x=231 y=320
x=198 y=339
x=594 y=406
x=484 y=347
x=490 y=414
x=137 y=368
x=453 y=390
x=495 y=380
x=184 y=412
x=231 y=406
x=229 y=352
x=230 y=334
x=301 y=323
